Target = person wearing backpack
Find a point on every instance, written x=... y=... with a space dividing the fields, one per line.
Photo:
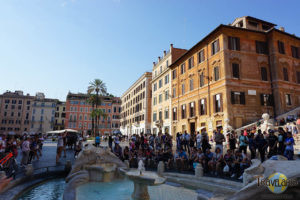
x=243 y=141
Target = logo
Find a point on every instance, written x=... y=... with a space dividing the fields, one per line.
x=277 y=183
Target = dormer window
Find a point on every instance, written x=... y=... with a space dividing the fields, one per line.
x=241 y=24
x=265 y=27
x=253 y=23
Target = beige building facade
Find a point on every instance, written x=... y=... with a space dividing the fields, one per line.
x=161 y=90
x=60 y=116
x=136 y=107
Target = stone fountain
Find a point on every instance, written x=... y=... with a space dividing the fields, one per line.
x=142 y=179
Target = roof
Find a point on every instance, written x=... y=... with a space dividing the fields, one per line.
x=231 y=27
x=260 y=20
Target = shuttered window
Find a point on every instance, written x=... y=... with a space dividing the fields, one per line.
x=261 y=47
x=238 y=98
x=201 y=56
x=216 y=73
x=215 y=47
x=218 y=103
x=202 y=79
x=281 y=47
x=295 y=51
x=264 y=75
x=266 y=100
x=191 y=62
x=202 y=106
x=235 y=70
x=298 y=77
x=285 y=74
x=234 y=43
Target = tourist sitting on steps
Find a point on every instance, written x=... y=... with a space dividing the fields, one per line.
x=181 y=159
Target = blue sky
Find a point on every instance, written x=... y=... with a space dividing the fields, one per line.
x=56 y=46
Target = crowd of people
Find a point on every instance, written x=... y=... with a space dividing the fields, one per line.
x=222 y=154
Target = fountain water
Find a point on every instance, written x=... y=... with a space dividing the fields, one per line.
x=142 y=179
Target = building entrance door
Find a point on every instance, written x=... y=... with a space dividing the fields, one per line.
x=192 y=127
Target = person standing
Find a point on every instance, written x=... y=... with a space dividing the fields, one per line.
x=261 y=145
x=243 y=141
x=97 y=141
x=232 y=141
x=281 y=139
x=185 y=141
x=204 y=140
x=25 y=151
x=60 y=146
x=198 y=140
x=289 y=149
x=272 y=142
x=110 y=141
x=219 y=139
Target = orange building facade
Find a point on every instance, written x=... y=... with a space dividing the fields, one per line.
x=237 y=72
x=78 y=114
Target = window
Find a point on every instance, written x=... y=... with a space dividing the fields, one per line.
x=154 y=117
x=234 y=43
x=160 y=83
x=264 y=74
x=238 y=98
x=202 y=79
x=166 y=94
x=166 y=113
x=192 y=109
x=6 y=100
x=167 y=79
x=174 y=114
x=174 y=74
x=202 y=107
x=154 y=101
x=160 y=98
x=215 y=47
x=298 y=76
x=218 y=103
x=174 y=92
x=167 y=63
x=182 y=89
x=20 y=101
x=261 y=47
x=182 y=68
x=160 y=69
x=160 y=115
x=281 y=47
x=288 y=99
x=266 y=99
x=191 y=84
x=253 y=23
x=201 y=56
x=191 y=62
x=183 y=112
x=14 y=101
x=216 y=73
x=295 y=52
x=42 y=111
x=154 y=87
x=285 y=74
x=235 y=70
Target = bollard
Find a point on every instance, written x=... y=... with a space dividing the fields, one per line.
x=29 y=170
x=199 y=171
x=160 y=168
x=68 y=166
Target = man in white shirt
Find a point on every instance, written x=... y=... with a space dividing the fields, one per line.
x=25 y=151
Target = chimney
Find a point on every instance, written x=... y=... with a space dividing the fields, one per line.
x=281 y=28
x=165 y=53
x=171 y=46
x=158 y=58
x=153 y=64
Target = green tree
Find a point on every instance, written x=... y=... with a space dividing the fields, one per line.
x=96 y=114
x=96 y=90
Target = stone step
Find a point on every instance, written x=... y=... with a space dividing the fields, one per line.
x=208 y=179
x=206 y=184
